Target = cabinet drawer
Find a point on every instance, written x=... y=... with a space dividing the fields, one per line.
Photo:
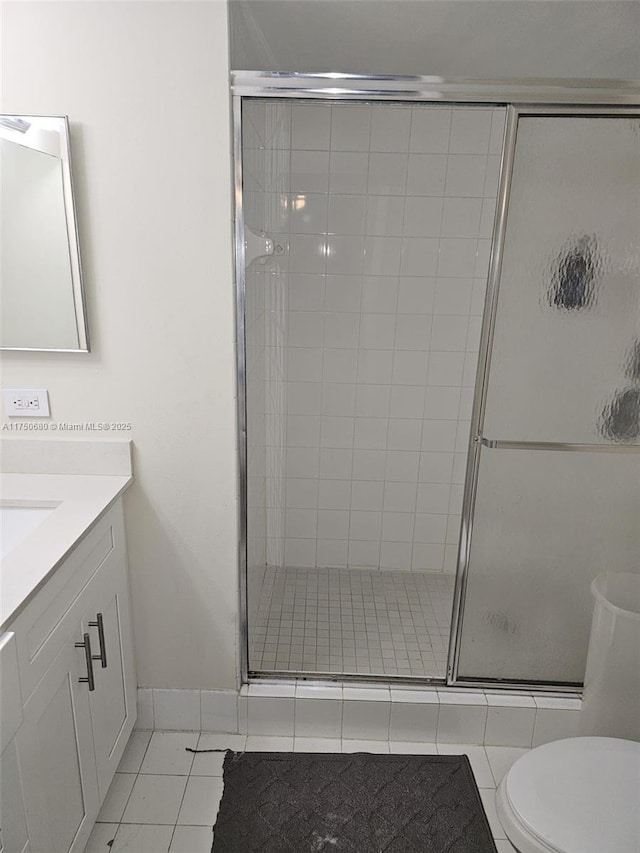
x=51 y=619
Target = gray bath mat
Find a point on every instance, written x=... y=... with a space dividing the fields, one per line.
x=279 y=802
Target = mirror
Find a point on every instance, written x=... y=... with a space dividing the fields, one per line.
x=41 y=296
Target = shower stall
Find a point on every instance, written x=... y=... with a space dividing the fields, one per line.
x=439 y=374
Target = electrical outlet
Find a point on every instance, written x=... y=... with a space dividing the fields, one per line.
x=26 y=402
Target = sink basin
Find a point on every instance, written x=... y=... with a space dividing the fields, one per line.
x=19 y=521
x=45 y=514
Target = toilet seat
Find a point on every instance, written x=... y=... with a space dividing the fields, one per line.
x=579 y=795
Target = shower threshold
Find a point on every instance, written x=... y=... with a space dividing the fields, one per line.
x=350 y=624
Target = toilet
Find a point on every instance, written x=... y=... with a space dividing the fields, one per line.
x=578 y=795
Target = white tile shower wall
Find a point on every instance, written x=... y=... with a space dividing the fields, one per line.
x=371 y=324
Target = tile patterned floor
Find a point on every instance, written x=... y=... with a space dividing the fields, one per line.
x=164 y=799
x=352 y=621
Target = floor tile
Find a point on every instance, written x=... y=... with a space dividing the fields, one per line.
x=155 y=799
x=477 y=758
x=117 y=797
x=134 y=752
x=101 y=835
x=192 y=839
x=137 y=838
x=208 y=764
x=150 y=804
x=317 y=744
x=501 y=758
x=211 y=763
x=488 y=796
x=201 y=801
x=167 y=753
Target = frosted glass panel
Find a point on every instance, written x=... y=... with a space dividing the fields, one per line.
x=546 y=523
x=565 y=365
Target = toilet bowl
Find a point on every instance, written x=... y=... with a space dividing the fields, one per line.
x=579 y=795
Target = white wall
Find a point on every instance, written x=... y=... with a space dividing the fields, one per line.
x=145 y=86
x=451 y=38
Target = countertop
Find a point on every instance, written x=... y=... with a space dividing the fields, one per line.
x=80 y=499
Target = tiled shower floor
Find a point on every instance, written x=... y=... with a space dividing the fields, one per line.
x=348 y=621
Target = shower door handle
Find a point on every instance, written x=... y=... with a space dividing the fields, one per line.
x=501 y=444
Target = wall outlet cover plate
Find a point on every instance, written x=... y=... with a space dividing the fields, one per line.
x=26 y=402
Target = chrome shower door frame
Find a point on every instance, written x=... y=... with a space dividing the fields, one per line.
x=476 y=439
x=520 y=98
x=241 y=388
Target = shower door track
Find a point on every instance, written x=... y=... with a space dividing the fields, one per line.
x=532 y=91
x=558 y=97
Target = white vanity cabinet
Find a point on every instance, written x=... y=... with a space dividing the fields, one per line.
x=55 y=750
x=78 y=690
x=13 y=831
x=113 y=702
x=13 y=822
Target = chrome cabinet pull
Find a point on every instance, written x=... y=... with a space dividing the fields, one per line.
x=99 y=624
x=86 y=645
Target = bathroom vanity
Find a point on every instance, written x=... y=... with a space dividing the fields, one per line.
x=67 y=677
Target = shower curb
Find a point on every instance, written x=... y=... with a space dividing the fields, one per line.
x=371 y=711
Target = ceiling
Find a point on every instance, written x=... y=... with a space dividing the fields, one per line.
x=479 y=39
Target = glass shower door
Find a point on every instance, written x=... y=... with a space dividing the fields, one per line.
x=554 y=494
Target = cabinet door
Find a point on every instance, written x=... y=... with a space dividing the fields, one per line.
x=13 y=835
x=113 y=702
x=55 y=748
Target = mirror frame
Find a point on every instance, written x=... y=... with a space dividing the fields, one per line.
x=71 y=221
